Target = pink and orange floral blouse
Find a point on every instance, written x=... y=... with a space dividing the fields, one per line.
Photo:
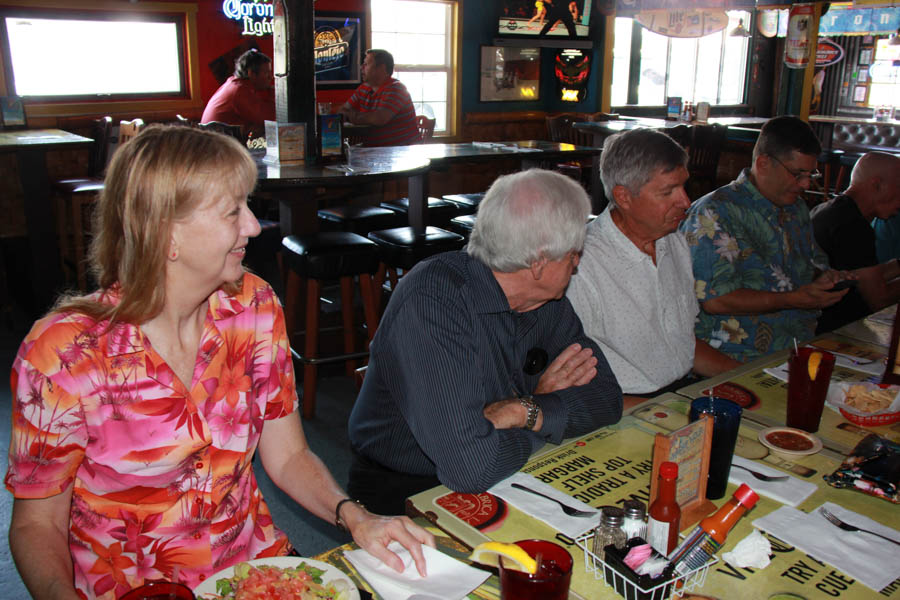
x=163 y=481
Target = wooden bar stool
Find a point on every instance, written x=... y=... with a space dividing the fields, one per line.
x=327 y=256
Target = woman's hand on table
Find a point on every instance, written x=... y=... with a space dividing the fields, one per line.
x=373 y=533
x=573 y=367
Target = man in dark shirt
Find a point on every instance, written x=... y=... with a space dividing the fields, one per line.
x=246 y=98
x=480 y=359
x=843 y=230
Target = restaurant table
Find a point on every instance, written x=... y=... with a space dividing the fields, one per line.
x=489 y=590
x=30 y=147
x=295 y=186
x=530 y=153
x=614 y=463
x=764 y=396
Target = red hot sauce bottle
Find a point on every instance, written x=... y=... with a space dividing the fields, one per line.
x=664 y=519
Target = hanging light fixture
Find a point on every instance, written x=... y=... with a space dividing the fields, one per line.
x=740 y=30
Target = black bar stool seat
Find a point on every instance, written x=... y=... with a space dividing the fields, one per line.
x=401 y=248
x=439 y=211
x=359 y=219
x=321 y=256
x=463 y=225
x=467 y=203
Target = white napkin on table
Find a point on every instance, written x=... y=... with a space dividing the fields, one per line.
x=872 y=561
x=447 y=579
x=873 y=369
x=543 y=509
x=791 y=491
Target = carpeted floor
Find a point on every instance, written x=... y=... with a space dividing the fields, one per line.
x=327 y=436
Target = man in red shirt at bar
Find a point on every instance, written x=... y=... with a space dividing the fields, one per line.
x=242 y=100
x=383 y=102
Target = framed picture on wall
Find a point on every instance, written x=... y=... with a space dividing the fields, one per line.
x=338 y=53
x=859 y=93
x=13 y=112
x=865 y=57
x=510 y=74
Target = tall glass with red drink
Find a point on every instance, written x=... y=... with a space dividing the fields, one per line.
x=807 y=387
x=550 y=582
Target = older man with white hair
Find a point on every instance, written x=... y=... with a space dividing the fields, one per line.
x=479 y=358
x=634 y=290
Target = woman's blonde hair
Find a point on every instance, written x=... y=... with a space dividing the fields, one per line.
x=153 y=181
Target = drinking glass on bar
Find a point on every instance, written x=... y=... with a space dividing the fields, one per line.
x=550 y=582
x=809 y=373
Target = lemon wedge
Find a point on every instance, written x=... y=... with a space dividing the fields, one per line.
x=815 y=359
x=490 y=553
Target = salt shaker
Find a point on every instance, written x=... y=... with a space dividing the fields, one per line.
x=634 y=524
x=609 y=531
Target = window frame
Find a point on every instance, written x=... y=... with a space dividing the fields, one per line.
x=183 y=14
x=634 y=70
x=452 y=52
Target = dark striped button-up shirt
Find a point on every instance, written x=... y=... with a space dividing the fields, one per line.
x=448 y=346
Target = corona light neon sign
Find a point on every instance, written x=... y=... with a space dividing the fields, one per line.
x=256 y=16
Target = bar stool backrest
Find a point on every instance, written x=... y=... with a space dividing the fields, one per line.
x=426 y=128
x=128 y=130
x=225 y=128
x=101 y=131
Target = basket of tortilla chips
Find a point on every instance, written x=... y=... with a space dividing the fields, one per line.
x=866 y=404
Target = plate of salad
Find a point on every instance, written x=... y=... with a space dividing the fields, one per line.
x=278 y=577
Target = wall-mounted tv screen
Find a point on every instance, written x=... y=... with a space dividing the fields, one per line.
x=545 y=18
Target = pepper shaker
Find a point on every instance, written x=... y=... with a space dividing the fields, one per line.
x=609 y=531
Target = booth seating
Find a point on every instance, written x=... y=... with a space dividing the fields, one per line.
x=75 y=195
x=400 y=249
x=438 y=213
x=855 y=139
x=467 y=203
x=311 y=259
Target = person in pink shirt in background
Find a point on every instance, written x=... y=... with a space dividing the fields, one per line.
x=246 y=97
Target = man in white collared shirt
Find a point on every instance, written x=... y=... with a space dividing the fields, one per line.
x=634 y=289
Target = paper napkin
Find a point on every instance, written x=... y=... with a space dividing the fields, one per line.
x=448 y=578
x=545 y=510
x=866 y=558
x=791 y=491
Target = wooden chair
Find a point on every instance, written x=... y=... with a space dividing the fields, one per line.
x=128 y=130
x=560 y=128
x=232 y=130
x=74 y=195
x=705 y=149
x=426 y=128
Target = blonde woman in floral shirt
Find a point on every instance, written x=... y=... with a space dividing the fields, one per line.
x=138 y=408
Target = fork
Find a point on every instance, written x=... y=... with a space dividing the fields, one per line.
x=569 y=510
x=761 y=476
x=834 y=520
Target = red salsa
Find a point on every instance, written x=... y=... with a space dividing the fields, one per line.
x=788 y=440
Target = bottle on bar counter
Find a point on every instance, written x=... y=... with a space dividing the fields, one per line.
x=665 y=514
x=709 y=535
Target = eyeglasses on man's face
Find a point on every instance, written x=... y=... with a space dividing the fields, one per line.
x=800 y=173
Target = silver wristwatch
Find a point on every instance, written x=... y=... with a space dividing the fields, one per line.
x=532 y=408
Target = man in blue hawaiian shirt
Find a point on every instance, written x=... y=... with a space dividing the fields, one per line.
x=761 y=279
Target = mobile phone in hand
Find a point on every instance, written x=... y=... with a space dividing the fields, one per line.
x=843 y=285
